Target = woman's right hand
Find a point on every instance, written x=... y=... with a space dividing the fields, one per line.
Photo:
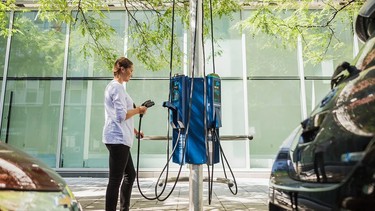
x=142 y=109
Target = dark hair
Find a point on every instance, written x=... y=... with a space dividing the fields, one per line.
x=121 y=62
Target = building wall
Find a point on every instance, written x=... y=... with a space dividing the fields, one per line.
x=52 y=96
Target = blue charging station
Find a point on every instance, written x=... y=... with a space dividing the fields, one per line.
x=195 y=116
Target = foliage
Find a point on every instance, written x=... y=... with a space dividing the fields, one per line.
x=315 y=22
x=150 y=25
x=149 y=31
x=90 y=20
x=5 y=7
x=152 y=31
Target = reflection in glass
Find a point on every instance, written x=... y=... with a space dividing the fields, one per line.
x=316 y=90
x=330 y=154
x=39 y=49
x=335 y=137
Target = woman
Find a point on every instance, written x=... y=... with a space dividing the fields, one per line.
x=118 y=135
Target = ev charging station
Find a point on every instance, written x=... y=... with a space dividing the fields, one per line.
x=195 y=118
x=195 y=112
x=194 y=107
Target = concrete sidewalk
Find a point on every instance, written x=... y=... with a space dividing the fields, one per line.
x=252 y=195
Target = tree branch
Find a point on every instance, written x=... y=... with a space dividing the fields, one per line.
x=332 y=17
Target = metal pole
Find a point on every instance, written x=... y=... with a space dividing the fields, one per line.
x=196 y=49
x=196 y=188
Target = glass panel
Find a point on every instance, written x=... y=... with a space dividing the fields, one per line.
x=264 y=58
x=229 y=47
x=31 y=117
x=79 y=66
x=274 y=111
x=316 y=90
x=232 y=106
x=83 y=125
x=233 y=121
x=39 y=49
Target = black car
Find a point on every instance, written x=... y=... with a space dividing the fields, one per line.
x=27 y=184
x=328 y=161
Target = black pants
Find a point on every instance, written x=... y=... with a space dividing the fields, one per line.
x=121 y=169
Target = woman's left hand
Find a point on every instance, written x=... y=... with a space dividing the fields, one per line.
x=137 y=134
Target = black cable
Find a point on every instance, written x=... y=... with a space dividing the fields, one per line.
x=223 y=157
x=169 y=99
x=179 y=134
x=188 y=123
x=192 y=74
x=188 y=120
x=210 y=175
x=211 y=184
x=203 y=51
x=138 y=153
x=179 y=171
x=157 y=196
x=172 y=39
x=212 y=39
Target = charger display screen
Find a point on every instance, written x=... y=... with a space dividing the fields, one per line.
x=217 y=93
x=175 y=91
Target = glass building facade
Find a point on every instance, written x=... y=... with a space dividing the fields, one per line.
x=52 y=96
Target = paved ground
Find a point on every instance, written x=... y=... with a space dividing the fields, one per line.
x=252 y=195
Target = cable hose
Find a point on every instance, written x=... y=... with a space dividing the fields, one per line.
x=210 y=182
x=212 y=38
x=172 y=38
x=223 y=157
x=168 y=157
x=157 y=196
x=138 y=153
x=179 y=171
x=203 y=50
x=169 y=99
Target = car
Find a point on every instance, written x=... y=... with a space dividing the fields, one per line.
x=28 y=184
x=328 y=161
